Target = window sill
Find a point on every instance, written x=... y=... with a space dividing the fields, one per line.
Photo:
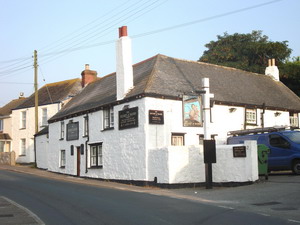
x=109 y=128
x=62 y=167
x=85 y=136
x=61 y=139
x=23 y=128
x=96 y=167
x=22 y=155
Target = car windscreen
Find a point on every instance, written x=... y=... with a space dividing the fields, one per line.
x=293 y=136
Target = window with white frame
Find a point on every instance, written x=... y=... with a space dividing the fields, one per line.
x=23 y=120
x=294 y=121
x=44 y=117
x=62 y=158
x=1 y=125
x=177 y=139
x=251 y=116
x=62 y=130
x=96 y=158
x=108 y=118
x=23 y=146
x=85 y=126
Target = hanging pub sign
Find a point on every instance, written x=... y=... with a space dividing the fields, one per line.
x=192 y=111
x=72 y=131
x=156 y=117
x=128 y=118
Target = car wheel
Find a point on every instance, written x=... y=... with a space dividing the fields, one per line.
x=296 y=167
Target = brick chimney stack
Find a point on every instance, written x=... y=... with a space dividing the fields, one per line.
x=124 y=72
x=88 y=76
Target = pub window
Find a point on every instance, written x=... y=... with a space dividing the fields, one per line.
x=96 y=158
x=251 y=116
x=85 y=126
x=44 y=117
x=62 y=130
x=23 y=146
x=23 y=120
x=108 y=118
x=177 y=139
x=294 y=121
x=62 y=158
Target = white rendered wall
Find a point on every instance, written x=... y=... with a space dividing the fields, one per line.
x=29 y=131
x=145 y=152
x=42 y=145
x=185 y=164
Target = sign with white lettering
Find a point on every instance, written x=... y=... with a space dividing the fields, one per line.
x=239 y=151
x=156 y=117
x=129 y=118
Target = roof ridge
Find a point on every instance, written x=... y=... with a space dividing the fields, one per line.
x=215 y=65
x=151 y=76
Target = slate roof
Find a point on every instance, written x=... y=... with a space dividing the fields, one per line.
x=44 y=131
x=7 y=109
x=166 y=77
x=54 y=93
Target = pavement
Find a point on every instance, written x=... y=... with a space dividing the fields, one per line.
x=278 y=196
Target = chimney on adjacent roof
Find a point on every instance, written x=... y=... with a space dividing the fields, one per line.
x=88 y=76
x=124 y=73
x=272 y=70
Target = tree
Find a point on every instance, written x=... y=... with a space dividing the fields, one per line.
x=290 y=74
x=248 y=52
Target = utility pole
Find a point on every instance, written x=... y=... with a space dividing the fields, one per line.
x=36 y=99
x=36 y=96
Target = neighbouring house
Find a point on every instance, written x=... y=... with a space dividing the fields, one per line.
x=144 y=122
x=51 y=98
x=6 y=123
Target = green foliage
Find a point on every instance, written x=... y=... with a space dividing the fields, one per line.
x=290 y=74
x=248 y=52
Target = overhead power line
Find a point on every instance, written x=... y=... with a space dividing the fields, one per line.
x=79 y=46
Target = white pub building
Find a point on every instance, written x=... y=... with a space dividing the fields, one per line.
x=144 y=122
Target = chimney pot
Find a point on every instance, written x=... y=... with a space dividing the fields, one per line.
x=122 y=31
x=273 y=62
x=269 y=62
x=87 y=66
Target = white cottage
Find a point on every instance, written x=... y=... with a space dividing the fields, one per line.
x=143 y=123
x=51 y=99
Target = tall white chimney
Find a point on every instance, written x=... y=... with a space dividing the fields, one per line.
x=124 y=64
x=272 y=70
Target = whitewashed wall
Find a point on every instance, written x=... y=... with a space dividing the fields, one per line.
x=27 y=133
x=42 y=145
x=145 y=152
x=176 y=164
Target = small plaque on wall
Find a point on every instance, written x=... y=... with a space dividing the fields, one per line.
x=129 y=118
x=239 y=151
x=156 y=117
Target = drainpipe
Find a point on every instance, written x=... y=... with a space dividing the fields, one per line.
x=86 y=143
x=262 y=114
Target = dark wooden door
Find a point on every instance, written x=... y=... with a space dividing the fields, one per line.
x=78 y=161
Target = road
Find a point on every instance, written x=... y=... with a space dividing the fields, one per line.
x=59 y=202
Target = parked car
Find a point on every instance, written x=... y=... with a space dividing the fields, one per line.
x=284 y=148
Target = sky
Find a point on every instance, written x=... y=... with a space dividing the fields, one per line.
x=68 y=34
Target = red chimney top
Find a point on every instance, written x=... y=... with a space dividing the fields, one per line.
x=122 y=31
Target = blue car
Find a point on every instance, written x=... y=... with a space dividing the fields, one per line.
x=284 y=148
